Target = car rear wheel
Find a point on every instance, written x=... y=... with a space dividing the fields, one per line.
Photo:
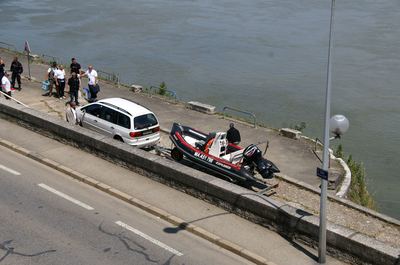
x=118 y=138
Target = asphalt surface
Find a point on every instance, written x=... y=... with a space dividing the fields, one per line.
x=48 y=218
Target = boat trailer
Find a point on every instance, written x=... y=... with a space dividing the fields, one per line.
x=258 y=185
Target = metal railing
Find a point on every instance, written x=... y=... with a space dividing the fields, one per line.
x=112 y=77
x=243 y=112
x=50 y=58
x=168 y=92
x=316 y=143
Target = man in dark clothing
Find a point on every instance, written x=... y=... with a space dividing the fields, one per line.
x=2 y=65
x=16 y=69
x=75 y=67
x=73 y=83
x=233 y=135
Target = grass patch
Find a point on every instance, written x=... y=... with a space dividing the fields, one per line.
x=358 y=192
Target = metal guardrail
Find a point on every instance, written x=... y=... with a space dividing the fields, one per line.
x=109 y=76
x=112 y=77
x=8 y=46
x=318 y=141
x=50 y=58
x=243 y=112
x=169 y=93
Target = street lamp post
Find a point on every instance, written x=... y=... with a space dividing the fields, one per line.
x=338 y=125
x=325 y=163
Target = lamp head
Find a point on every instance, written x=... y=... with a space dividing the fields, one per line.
x=338 y=125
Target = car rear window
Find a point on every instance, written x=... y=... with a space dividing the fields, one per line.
x=145 y=121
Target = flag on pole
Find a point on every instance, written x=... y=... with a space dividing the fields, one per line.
x=27 y=48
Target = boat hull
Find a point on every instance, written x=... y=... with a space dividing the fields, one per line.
x=235 y=173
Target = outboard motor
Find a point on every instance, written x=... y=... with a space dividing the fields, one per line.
x=252 y=156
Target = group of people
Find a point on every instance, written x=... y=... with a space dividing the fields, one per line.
x=16 y=70
x=57 y=78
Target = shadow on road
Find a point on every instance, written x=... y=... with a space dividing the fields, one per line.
x=182 y=226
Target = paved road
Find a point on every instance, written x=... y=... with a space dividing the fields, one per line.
x=48 y=218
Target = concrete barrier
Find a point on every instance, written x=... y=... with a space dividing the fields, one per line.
x=201 y=107
x=287 y=220
x=290 y=133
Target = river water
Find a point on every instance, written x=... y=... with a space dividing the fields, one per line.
x=267 y=57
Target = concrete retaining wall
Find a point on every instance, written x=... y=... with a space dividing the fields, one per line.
x=287 y=220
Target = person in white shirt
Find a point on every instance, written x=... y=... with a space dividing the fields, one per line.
x=51 y=78
x=6 y=85
x=59 y=75
x=92 y=76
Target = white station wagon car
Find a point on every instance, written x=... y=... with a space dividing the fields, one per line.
x=122 y=120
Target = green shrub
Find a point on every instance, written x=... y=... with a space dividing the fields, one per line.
x=299 y=127
x=162 y=89
x=358 y=192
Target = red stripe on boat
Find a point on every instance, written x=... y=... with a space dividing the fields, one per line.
x=198 y=150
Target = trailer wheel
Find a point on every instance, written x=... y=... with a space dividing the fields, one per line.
x=176 y=154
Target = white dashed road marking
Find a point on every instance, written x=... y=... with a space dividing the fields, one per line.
x=9 y=170
x=65 y=196
x=149 y=238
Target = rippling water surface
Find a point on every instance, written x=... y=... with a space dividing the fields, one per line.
x=267 y=57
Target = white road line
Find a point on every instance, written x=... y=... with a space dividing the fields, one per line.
x=65 y=196
x=149 y=238
x=12 y=171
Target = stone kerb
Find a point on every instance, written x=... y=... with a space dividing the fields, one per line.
x=293 y=222
x=201 y=107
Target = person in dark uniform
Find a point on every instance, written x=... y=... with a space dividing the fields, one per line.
x=233 y=135
x=16 y=69
x=73 y=83
x=2 y=70
x=75 y=66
